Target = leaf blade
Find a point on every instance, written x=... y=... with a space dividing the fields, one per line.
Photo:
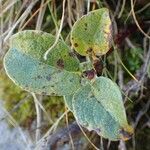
x=92 y=114
x=92 y=33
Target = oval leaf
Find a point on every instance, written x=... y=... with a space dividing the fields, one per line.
x=92 y=33
x=24 y=64
x=91 y=112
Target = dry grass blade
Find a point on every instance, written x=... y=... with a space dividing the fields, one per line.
x=38 y=116
x=133 y=14
x=23 y=16
x=59 y=31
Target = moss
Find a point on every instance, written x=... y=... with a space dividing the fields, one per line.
x=22 y=112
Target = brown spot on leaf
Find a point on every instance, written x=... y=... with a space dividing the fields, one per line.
x=71 y=80
x=85 y=26
x=92 y=95
x=89 y=50
x=53 y=94
x=106 y=32
x=60 y=63
x=48 y=78
x=39 y=77
x=75 y=44
x=44 y=93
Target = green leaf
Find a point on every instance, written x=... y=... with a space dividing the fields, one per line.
x=92 y=33
x=25 y=65
x=98 y=106
x=35 y=43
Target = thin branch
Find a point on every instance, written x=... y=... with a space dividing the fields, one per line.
x=142 y=9
x=141 y=113
x=136 y=22
x=122 y=8
x=40 y=16
x=67 y=122
x=62 y=136
x=38 y=118
x=24 y=15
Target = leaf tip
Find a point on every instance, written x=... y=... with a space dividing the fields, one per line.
x=126 y=133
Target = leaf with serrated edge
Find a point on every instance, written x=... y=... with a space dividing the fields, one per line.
x=91 y=112
x=92 y=33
